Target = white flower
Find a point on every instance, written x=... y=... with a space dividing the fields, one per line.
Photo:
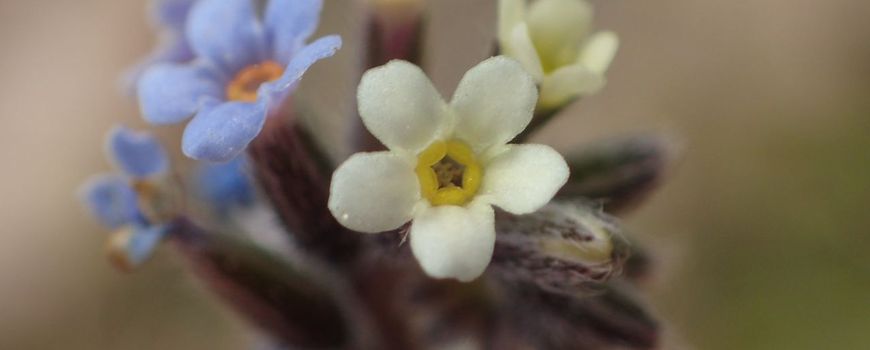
x=551 y=39
x=447 y=164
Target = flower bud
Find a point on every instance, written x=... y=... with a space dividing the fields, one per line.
x=618 y=173
x=565 y=247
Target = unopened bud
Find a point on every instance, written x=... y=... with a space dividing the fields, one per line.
x=566 y=247
x=618 y=173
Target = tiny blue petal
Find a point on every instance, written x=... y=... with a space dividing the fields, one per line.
x=171 y=49
x=111 y=200
x=171 y=93
x=302 y=60
x=227 y=33
x=225 y=185
x=220 y=132
x=288 y=24
x=171 y=14
x=137 y=154
x=142 y=243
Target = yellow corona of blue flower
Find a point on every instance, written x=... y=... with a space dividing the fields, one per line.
x=244 y=65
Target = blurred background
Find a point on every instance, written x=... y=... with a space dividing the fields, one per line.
x=760 y=234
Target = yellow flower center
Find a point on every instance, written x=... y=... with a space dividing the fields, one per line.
x=449 y=173
x=246 y=83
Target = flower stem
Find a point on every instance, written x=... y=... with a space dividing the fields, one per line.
x=266 y=289
x=295 y=175
x=542 y=117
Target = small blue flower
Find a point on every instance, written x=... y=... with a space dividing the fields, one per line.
x=137 y=154
x=114 y=201
x=111 y=200
x=168 y=18
x=225 y=185
x=132 y=246
x=244 y=66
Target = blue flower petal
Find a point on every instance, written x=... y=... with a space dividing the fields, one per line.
x=227 y=33
x=225 y=185
x=171 y=93
x=111 y=200
x=302 y=60
x=171 y=14
x=219 y=133
x=173 y=49
x=142 y=242
x=288 y=24
x=170 y=49
x=137 y=154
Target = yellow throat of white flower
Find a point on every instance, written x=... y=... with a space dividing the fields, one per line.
x=449 y=173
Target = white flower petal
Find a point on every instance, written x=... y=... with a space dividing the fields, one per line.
x=569 y=82
x=493 y=103
x=558 y=28
x=373 y=192
x=599 y=51
x=523 y=178
x=519 y=46
x=510 y=14
x=454 y=242
x=399 y=106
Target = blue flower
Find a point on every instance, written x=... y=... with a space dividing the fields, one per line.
x=169 y=18
x=111 y=200
x=132 y=246
x=137 y=154
x=114 y=199
x=244 y=66
x=225 y=185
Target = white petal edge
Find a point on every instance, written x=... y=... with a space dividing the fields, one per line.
x=567 y=83
x=374 y=192
x=510 y=14
x=519 y=46
x=599 y=51
x=493 y=103
x=400 y=106
x=454 y=242
x=523 y=178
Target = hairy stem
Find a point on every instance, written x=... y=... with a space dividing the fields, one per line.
x=270 y=292
x=292 y=172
